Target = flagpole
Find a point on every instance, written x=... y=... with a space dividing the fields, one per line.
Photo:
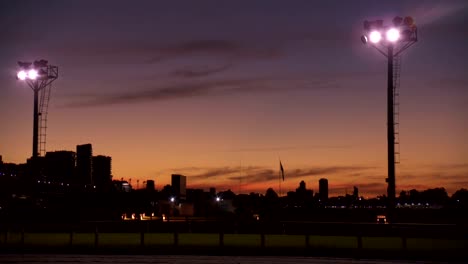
x=279 y=177
x=240 y=175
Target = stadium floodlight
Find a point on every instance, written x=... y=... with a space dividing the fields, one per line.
x=375 y=36
x=398 y=37
x=32 y=74
x=22 y=75
x=393 y=35
x=38 y=75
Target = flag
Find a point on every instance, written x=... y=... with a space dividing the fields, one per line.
x=282 y=170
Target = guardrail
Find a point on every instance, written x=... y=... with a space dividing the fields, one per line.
x=147 y=234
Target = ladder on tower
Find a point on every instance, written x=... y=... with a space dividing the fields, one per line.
x=396 y=105
x=43 y=111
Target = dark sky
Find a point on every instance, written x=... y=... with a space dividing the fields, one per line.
x=221 y=90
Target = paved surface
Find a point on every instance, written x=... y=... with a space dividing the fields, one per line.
x=134 y=259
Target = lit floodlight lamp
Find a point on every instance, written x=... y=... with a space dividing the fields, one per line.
x=172 y=199
x=22 y=75
x=364 y=39
x=218 y=199
x=393 y=34
x=32 y=74
x=375 y=37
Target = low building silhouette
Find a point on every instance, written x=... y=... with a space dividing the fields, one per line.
x=150 y=186
x=59 y=166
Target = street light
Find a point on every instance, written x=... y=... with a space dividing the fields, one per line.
x=398 y=37
x=38 y=75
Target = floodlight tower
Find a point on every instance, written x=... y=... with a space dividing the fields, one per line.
x=391 y=41
x=39 y=75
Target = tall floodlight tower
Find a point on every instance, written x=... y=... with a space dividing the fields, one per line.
x=39 y=75
x=391 y=41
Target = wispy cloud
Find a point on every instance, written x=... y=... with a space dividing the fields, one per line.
x=214 y=47
x=194 y=72
x=258 y=174
x=219 y=172
x=263 y=175
x=165 y=93
x=201 y=88
x=150 y=52
x=271 y=149
x=429 y=13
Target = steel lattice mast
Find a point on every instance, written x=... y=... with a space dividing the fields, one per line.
x=398 y=37
x=39 y=75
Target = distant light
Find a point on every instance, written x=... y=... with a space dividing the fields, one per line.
x=375 y=36
x=218 y=199
x=32 y=74
x=172 y=199
x=22 y=75
x=393 y=34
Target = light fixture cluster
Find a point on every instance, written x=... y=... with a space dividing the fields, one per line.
x=401 y=30
x=32 y=71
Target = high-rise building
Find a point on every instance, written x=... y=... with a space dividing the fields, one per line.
x=355 y=192
x=323 y=189
x=84 y=164
x=150 y=185
x=60 y=165
x=102 y=172
x=179 y=186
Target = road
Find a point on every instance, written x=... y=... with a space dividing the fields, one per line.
x=181 y=259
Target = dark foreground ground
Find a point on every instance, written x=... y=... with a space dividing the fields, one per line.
x=179 y=259
x=186 y=254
